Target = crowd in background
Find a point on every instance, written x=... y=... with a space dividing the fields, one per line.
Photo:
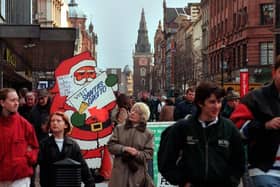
x=209 y=115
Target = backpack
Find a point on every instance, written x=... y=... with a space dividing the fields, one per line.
x=161 y=154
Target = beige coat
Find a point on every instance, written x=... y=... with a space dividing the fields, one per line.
x=143 y=142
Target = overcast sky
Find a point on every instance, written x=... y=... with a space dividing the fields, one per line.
x=117 y=22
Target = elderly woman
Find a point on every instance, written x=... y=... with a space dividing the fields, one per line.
x=132 y=145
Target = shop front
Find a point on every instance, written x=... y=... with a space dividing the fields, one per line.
x=28 y=50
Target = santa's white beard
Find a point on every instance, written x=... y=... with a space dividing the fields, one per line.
x=83 y=81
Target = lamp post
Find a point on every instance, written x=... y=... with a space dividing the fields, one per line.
x=222 y=65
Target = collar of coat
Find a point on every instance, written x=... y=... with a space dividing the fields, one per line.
x=140 y=127
x=66 y=140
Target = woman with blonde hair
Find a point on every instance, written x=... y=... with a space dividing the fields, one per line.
x=132 y=146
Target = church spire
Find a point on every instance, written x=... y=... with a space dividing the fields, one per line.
x=143 y=45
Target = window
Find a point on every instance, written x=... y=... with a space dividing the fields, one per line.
x=3 y=9
x=113 y=71
x=244 y=55
x=266 y=14
x=143 y=72
x=143 y=82
x=234 y=21
x=266 y=53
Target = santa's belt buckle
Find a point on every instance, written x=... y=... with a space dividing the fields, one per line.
x=96 y=126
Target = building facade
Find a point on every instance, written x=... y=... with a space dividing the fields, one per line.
x=240 y=37
x=277 y=28
x=182 y=64
x=86 y=39
x=47 y=13
x=205 y=40
x=158 y=82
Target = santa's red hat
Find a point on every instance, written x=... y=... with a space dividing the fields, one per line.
x=65 y=66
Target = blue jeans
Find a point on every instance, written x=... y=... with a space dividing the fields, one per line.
x=266 y=181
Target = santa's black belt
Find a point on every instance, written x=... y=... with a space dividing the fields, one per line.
x=97 y=126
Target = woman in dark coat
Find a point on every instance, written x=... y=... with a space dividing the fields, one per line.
x=58 y=147
x=132 y=146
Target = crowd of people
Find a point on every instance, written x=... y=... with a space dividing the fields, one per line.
x=217 y=138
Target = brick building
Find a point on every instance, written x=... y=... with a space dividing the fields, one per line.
x=240 y=37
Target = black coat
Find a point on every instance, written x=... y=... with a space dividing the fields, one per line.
x=264 y=103
x=212 y=156
x=37 y=114
x=49 y=153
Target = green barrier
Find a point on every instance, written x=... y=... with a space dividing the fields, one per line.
x=157 y=128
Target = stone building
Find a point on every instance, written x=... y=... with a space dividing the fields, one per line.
x=205 y=37
x=158 y=82
x=47 y=13
x=142 y=60
x=86 y=39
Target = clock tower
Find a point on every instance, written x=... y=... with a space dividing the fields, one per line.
x=142 y=60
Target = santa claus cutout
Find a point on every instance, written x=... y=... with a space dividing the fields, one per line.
x=85 y=94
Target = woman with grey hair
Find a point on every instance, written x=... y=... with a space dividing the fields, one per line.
x=132 y=146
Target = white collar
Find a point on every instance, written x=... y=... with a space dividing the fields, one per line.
x=203 y=124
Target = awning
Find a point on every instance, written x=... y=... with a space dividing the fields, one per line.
x=40 y=49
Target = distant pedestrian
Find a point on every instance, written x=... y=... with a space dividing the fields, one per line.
x=58 y=147
x=39 y=112
x=167 y=111
x=121 y=111
x=18 y=143
x=186 y=106
x=232 y=100
x=26 y=108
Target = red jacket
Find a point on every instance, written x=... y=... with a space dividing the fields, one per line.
x=18 y=148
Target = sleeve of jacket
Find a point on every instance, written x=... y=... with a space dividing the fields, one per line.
x=147 y=152
x=170 y=171
x=44 y=164
x=86 y=174
x=244 y=119
x=237 y=160
x=114 y=145
x=32 y=143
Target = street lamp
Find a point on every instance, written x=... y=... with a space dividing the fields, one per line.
x=222 y=65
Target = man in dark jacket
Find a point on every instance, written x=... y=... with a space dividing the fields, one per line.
x=258 y=117
x=39 y=113
x=186 y=106
x=204 y=150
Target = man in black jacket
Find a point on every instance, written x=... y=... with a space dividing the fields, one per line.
x=258 y=117
x=204 y=150
x=185 y=107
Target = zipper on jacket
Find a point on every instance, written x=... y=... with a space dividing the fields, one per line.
x=206 y=154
